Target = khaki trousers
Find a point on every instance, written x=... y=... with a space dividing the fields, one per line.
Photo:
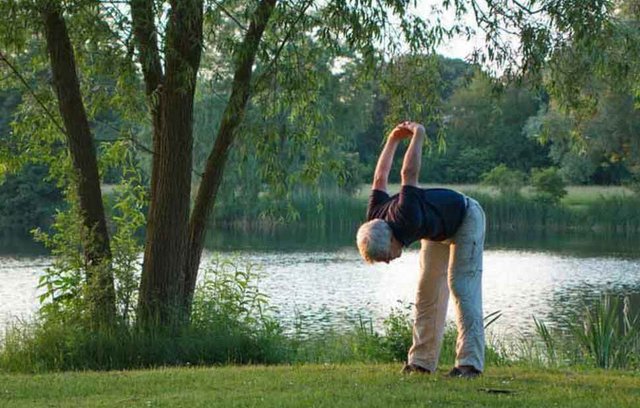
x=455 y=266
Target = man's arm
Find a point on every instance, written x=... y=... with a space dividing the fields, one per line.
x=413 y=157
x=381 y=175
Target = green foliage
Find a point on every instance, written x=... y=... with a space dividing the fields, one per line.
x=27 y=200
x=398 y=330
x=466 y=165
x=64 y=284
x=302 y=126
x=604 y=335
x=609 y=337
x=231 y=323
x=412 y=88
x=548 y=185
x=324 y=210
x=128 y=201
x=508 y=181
x=550 y=352
x=484 y=128
x=228 y=295
x=329 y=212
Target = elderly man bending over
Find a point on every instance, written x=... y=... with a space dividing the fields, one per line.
x=451 y=228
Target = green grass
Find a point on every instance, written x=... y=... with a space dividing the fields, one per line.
x=321 y=386
x=609 y=209
x=576 y=195
x=585 y=195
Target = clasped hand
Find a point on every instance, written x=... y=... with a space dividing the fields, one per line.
x=405 y=130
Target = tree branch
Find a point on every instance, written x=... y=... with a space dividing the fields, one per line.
x=284 y=42
x=231 y=16
x=145 y=33
x=32 y=92
x=244 y=58
x=527 y=9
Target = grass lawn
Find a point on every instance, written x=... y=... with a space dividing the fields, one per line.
x=322 y=386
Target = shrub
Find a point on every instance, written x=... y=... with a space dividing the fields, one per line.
x=508 y=181
x=548 y=185
x=231 y=323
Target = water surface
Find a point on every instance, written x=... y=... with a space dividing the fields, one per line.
x=325 y=284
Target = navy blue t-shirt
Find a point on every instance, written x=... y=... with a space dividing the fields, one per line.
x=416 y=213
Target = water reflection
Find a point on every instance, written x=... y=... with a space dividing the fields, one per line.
x=334 y=288
x=299 y=239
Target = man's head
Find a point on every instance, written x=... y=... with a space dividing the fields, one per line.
x=376 y=242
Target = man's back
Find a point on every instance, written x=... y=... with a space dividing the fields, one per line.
x=417 y=213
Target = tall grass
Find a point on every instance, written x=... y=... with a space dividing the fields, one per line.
x=604 y=335
x=614 y=215
x=365 y=343
x=325 y=209
x=330 y=211
x=230 y=323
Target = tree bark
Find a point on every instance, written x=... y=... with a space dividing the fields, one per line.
x=244 y=59
x=171 y=98
x=101 y=293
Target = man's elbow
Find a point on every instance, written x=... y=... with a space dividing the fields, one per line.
x=379 y=179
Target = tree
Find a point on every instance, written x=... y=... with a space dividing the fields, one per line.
x=509 y=182
x=169 y=53
x=167 y=38
x=548 y=185
x=485 y=127
x=594 y=85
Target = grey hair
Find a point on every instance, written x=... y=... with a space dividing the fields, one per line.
x=374 y=240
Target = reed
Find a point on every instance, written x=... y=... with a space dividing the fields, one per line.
x=604 y=335
x=330 y=211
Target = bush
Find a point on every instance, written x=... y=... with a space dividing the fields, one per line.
x=231 y=323
x=508 y=181
x=548 y=185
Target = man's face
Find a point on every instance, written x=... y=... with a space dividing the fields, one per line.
x=395 y=250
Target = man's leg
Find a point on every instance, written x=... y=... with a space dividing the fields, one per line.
x=465 y=283
x=432 y=298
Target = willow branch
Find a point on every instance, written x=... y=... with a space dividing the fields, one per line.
x=32 y=92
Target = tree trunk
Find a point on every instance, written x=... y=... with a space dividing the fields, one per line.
x=101 y=293
x=166 y=249
x=233 y=114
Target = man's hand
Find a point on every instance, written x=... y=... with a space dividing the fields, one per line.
x=406 y=130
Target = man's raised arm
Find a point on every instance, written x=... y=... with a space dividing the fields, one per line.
x=381 y=175
x=413 y=157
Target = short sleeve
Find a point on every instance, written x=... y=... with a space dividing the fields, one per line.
x=409 y=200
x=376 y=198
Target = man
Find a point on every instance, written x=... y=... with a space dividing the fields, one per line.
x=451 y=228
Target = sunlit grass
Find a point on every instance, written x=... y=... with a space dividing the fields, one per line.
x=324 y=385
x=576 y=195
x=584 y=195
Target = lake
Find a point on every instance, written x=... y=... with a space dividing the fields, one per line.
x=324 y=283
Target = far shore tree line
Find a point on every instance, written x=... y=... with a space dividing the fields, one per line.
x=188 y=105
x=504 y=135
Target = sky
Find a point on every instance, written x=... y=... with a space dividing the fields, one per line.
x=458 y=47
